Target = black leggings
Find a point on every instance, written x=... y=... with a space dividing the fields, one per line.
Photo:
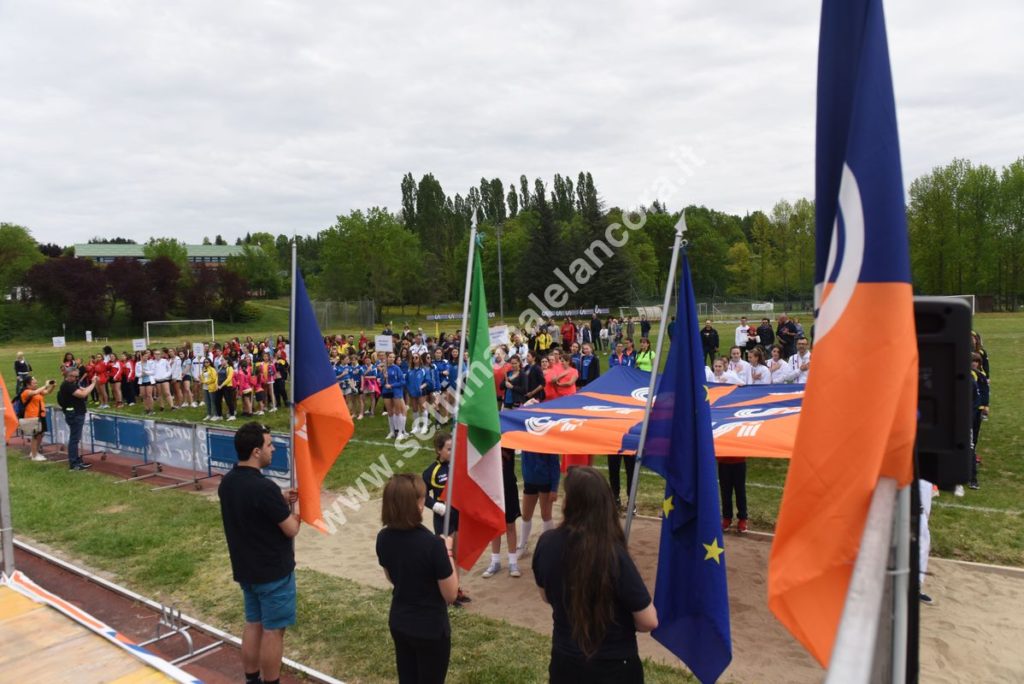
x=732 y=477
x=421 y=661
x=566 y=670
x=613 y=473
x=280 y=392
x=227 y=394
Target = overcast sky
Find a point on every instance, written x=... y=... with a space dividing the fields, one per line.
x=190 y=119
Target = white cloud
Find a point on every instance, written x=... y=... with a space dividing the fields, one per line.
x=194 y=119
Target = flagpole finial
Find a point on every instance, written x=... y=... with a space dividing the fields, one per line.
x=681 y=227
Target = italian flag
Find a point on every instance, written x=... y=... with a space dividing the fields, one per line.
x=478 y=493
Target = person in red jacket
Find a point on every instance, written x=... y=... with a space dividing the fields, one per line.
x=101 y=371
x=568 y=331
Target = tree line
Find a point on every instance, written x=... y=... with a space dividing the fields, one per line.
x=966 y=226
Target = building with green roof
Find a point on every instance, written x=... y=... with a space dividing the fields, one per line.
x=104 y=253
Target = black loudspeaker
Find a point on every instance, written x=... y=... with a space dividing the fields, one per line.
x=945 y=400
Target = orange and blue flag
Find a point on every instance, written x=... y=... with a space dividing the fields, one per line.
x=10 y=418
x=857 y=423
x=323 y=424
x=690 y=594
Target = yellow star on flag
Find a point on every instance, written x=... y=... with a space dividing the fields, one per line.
x=667 y=507
x=713 y=551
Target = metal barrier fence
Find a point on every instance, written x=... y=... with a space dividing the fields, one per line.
x=205 y=451
x=345 y=315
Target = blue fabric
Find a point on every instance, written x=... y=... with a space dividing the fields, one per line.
x=856 y=127
x=272 y=604
x=690 y=595
x=541 y=469
x=310 y=362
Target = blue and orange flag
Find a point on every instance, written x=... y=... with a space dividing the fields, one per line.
x=323 y=424
x=856 y=425
x=10 y=418
x=690 y=593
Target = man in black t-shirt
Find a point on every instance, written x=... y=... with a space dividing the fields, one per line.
x=71 y=398
x=260 y=527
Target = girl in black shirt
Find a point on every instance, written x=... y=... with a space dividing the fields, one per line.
x=420 y=566
x=598 y=600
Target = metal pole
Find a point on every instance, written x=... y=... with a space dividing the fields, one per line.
x=460 y=383
x=6 y=528
x=901 y=586
x=291 y=361
x=854 y=649
x=501 y=287
x=680 y=230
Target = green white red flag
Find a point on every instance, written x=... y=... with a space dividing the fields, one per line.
x=478 y=493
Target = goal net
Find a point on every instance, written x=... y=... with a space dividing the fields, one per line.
x=175 y=333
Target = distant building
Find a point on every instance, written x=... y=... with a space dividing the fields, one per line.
x=206 y=255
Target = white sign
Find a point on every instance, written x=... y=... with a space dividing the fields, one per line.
x=198 y=350
x=762 y=306
x=88 y=335
x=58 y=341
x=139 y=344
x=499 y=335
x=384 y=343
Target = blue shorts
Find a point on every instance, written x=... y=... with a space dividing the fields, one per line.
x=271 y=604
x=541 y=472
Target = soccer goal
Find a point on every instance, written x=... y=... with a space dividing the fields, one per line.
x=173 y=333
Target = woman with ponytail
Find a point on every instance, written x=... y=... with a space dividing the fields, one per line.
x=597 y=597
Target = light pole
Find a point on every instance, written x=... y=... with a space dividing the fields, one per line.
x=501 y=287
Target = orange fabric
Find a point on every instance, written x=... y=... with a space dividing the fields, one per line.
x=856 y=426
x=323 y=427
x=35 y=406
x=10 y=417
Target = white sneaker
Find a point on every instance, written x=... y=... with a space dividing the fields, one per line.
x=231 y=418
x=195 y=404
x=959 y=491
x=39 y=457
x=214 y=419
x=259 y=413
x=273 y=409
x=492 y=570
x=513 y=570
x=523 y=550
x=390 y=435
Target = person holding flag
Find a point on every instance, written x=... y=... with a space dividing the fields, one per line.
x=598 y=599
x=321 y=422
x=476 y=488
x=844 y=448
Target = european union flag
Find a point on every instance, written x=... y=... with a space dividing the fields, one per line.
x=690 y=594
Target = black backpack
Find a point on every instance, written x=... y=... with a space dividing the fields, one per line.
x=19 y=407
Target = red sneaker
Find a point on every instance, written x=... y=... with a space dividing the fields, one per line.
x=741 y=527
x=726 y=523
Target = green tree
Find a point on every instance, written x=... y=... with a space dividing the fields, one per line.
x=259 y=267
x=18 y=253
x=171 y=248
x=370 y=255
